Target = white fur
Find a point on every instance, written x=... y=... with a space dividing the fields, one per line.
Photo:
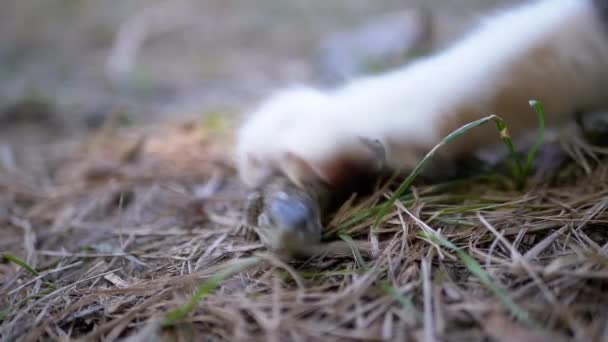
x=405 y=109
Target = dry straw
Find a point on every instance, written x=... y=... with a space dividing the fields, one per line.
x=96 y=246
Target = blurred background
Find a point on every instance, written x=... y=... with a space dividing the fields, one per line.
x=68 y=65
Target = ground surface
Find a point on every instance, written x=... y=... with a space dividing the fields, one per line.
x=122 y=230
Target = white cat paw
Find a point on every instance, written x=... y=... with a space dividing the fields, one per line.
x=301 y=133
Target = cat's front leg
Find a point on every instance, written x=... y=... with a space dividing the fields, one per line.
x=552 y=51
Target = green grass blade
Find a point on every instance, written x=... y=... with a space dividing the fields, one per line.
x=521 y=172
x=412 y=176
x=206 y=289
x=540 y=111
x=4 y=313
x=406 y=302
x=17 y=261
x=517 y=171
x=475 y=268
x=355 y=250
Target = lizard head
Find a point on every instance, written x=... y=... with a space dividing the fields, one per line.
x=286 y=218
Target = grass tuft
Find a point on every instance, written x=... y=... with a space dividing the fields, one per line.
x=21 y=263
x=475 y=268
x=520 y=171
x=418 y=169
x=206 y=288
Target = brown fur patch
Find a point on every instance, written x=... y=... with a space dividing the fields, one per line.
x=538 y=75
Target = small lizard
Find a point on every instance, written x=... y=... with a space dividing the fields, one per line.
x=288 y=219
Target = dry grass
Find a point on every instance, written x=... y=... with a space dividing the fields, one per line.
x=104 y=239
